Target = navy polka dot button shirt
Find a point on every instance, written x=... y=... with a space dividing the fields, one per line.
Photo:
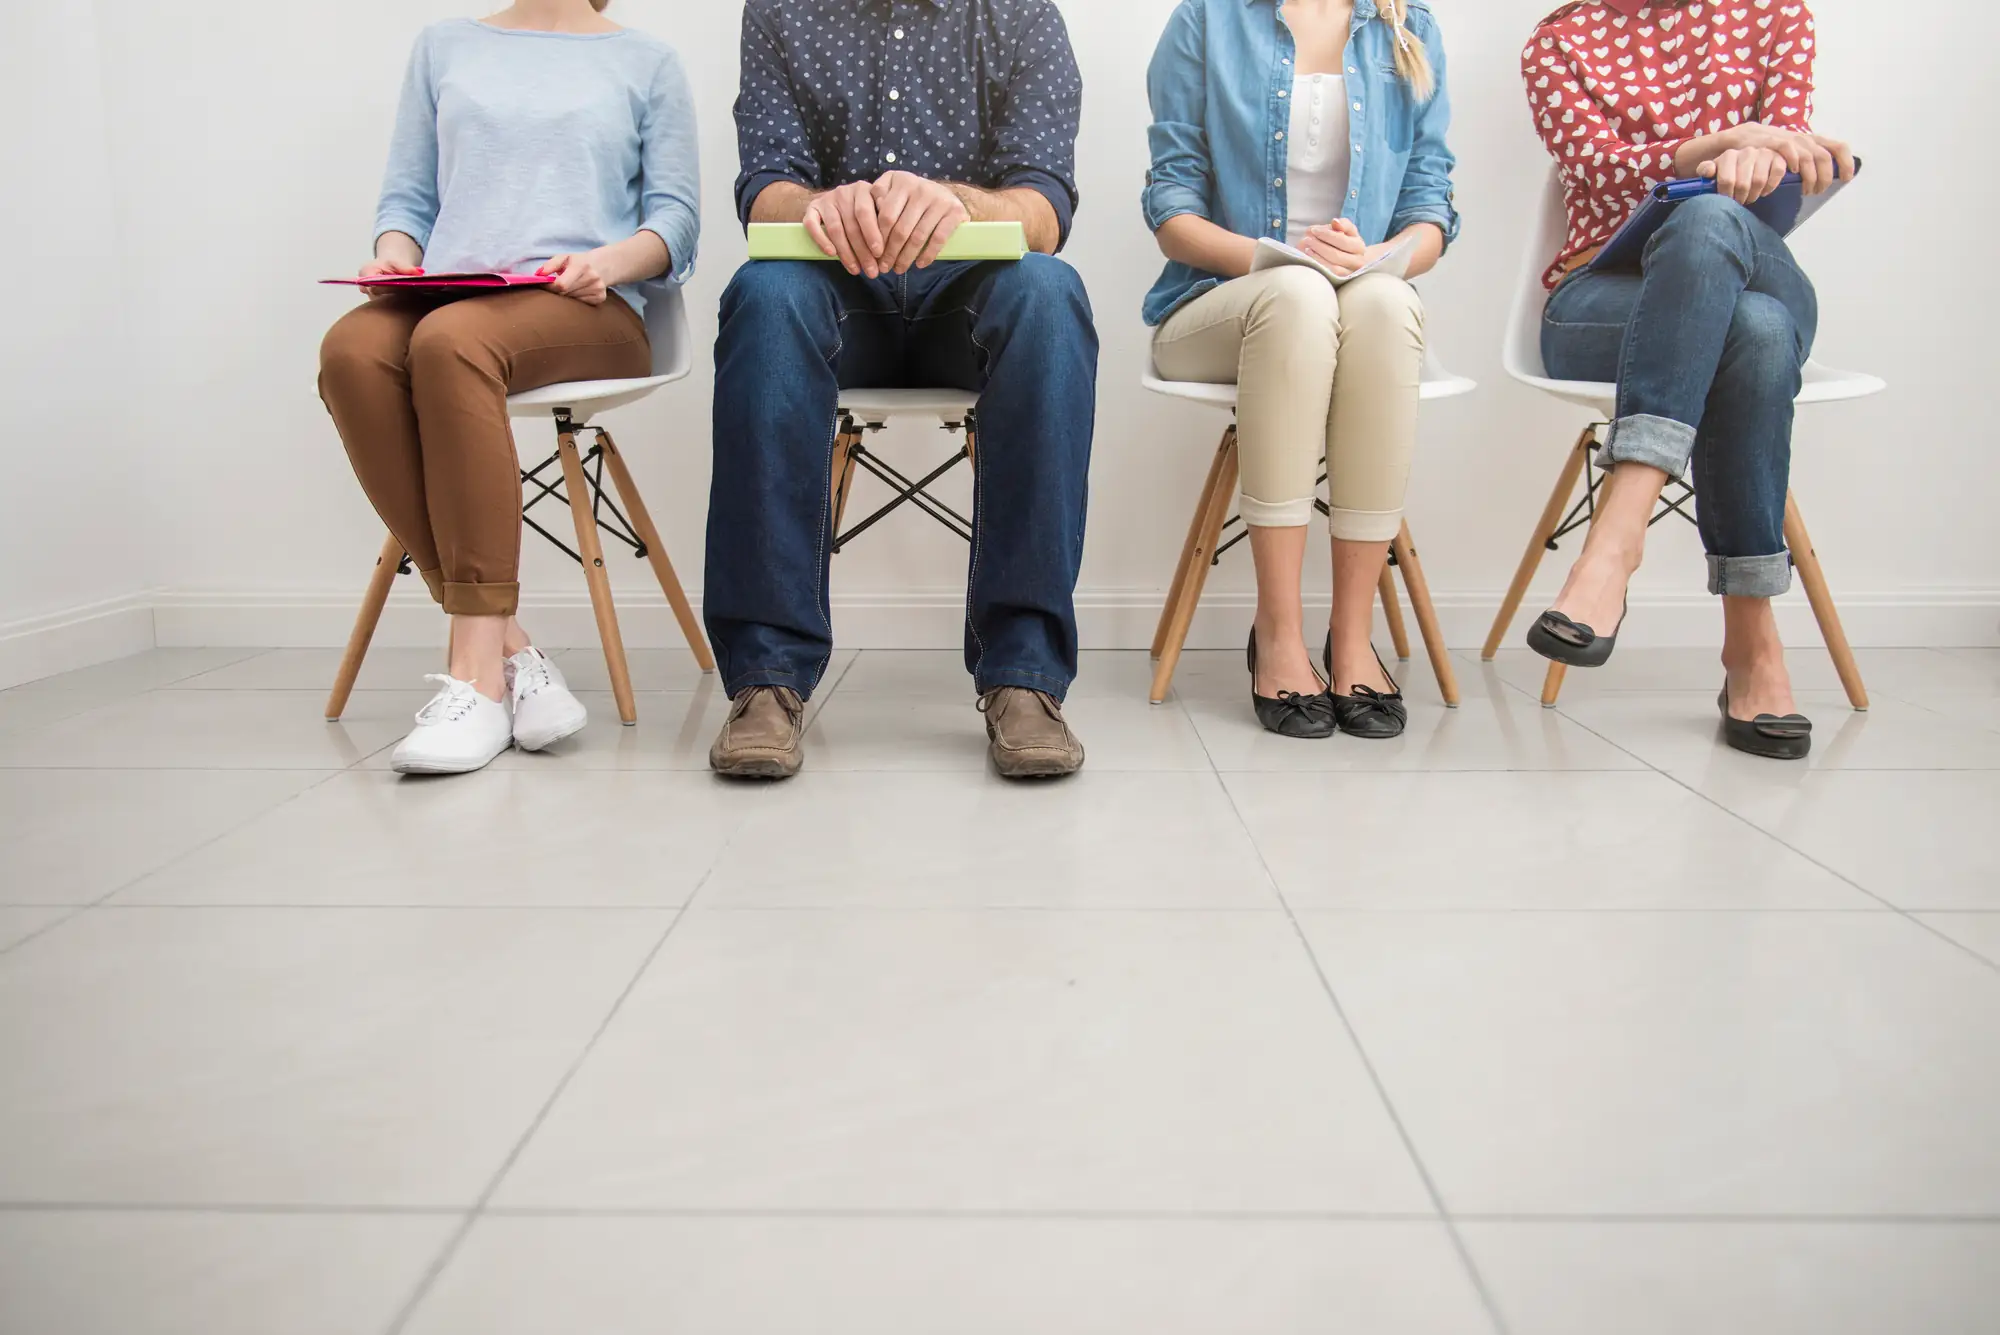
x=982 y=92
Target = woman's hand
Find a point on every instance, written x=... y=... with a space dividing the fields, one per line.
x=1747 y=175
x=381 y=269
x=579 y=276
x=1337 y=245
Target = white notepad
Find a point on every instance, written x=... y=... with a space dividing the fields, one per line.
x=1277 y=255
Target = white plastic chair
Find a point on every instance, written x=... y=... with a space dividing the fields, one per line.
x=865 y=410
x=1211 y=519
x=572 y=407
x=1522 y=358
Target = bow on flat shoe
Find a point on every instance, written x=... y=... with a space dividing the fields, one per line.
x=1370 y=714
x=1290 y=713
x=1554 y=636
x=1767 y=735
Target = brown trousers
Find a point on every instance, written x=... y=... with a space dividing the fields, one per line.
x=418 y=390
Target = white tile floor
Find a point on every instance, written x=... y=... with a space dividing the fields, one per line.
x=1547 y=1023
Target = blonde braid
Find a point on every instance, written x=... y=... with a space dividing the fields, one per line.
x=1412 y=62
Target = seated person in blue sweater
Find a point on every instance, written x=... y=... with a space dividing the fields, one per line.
x=545 y=139
x=882 y=127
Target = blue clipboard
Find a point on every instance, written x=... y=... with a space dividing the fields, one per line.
x=1784 y=210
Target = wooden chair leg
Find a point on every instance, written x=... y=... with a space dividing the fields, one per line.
x=596 y=577
x=1427 y=619
x=1552 y=684
x=1392 y=609
x=656 y=552
x=365 y=622
x=843 y=475
x=1221 y=491
x=1187 y=549
x=1531 y=560
x=1814 y=578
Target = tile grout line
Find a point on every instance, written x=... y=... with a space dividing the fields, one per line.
x=1023 y=1215
x=326 y=777
x=1782 y=842
x=449 y=1252
x=1472 y=1271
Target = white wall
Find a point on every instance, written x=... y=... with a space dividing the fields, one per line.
x=252 y=142
x=73 y=544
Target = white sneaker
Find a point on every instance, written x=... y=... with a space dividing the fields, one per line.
x=544 y=710
x=458 y=732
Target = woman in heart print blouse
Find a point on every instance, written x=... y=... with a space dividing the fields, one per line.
x=1707 y=337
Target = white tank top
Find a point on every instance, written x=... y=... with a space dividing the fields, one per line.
x=1319 y=159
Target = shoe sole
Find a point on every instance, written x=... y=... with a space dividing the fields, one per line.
x=569 y=728
x=760 y=767
x=438 y=768
x=1038 y=769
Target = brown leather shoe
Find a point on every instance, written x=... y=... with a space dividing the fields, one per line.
x=1030 y=739
x=761 y=739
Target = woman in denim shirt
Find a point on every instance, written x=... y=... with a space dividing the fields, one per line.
x=1320 y=123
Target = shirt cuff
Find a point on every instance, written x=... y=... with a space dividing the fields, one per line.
x=1445 y=218
x=1170 y=199
x=414 y=228
x=681 y=232
x=755 y=184
x=1061 y=197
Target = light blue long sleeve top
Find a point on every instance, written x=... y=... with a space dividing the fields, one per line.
x=514 y=147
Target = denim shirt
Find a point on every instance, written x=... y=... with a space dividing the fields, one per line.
x=1221 y=85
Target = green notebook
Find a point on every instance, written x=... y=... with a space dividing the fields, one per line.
x=972 y=241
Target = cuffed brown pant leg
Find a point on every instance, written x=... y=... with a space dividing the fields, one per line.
x=464 y=359
x=364 y=381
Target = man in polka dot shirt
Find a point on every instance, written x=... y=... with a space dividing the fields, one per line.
x=882 y=125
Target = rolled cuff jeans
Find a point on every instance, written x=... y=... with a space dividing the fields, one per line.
x=793 y=335
x=1707 y=342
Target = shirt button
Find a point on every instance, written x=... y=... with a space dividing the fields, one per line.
x=1283 y=93
x=1357 y=106
x=899 y=34
x=894 y=96
x=888 y=157
x=1352 y=70
x=1288 y=60
x=1353 y=194
x=1280 y=183
x=1276 y=223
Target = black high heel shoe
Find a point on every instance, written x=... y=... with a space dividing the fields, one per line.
x=1373 y=715
x=1767 y=735
x=1554 y=636
x=1289 y=714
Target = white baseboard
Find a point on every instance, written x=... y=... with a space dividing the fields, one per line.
x=1107 y=618
x=78 y=637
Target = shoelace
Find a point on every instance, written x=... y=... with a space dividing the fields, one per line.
x=784 y=698
x=531 y=679
x=454 y=700
x=1043 y=698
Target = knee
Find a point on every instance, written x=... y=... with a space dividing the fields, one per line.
x=766 y=293
x=1764 y=342
x=350 y=355
x=1703 y=225
x=1041 y=287
x=446 y=340
x=1381 y=305
x=1294 y=302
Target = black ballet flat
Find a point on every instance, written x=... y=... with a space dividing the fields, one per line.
x=1290 y=714
x=1372 y=715
x=1767 y=735
x=1571 y=643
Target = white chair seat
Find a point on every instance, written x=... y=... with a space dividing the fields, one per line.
x=1523 y=352
x=584 y=398
x=673 y=359
x=874 y=407
x=1438 y=383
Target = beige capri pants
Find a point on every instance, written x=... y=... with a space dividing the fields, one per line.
x=1320 y=373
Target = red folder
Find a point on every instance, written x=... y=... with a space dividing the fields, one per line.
x=445 y=282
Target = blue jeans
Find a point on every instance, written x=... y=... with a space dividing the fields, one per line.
x=793 y=335
x=1706 y=341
